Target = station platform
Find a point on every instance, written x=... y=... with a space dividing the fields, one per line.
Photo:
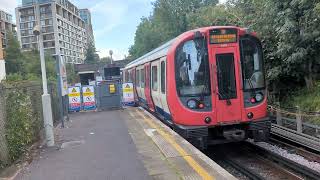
x=126 y=144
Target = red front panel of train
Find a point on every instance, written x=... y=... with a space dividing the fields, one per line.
x=226 y=82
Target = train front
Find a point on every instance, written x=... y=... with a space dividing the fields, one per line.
x=219 y=94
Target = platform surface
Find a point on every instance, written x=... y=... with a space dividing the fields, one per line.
x=120 y=144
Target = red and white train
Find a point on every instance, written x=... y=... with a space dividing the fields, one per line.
x=208 y=84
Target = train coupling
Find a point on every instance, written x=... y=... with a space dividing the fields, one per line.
x=260 y=129
x=234 y=134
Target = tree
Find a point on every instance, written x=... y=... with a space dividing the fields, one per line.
x=14 y=56
x=91 y=56
x=105 y=60
x=298 y=29
x=168 y=20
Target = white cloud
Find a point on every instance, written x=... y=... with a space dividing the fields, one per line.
x=222 y=1
x=8 y=6
x=118 y=54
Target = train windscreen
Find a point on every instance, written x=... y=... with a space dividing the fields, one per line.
x=192 y=68
x=252 y=63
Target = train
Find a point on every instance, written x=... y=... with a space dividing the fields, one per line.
x=207 y=84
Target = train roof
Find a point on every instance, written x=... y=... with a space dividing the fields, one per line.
x=152 y=55
x=163 y=49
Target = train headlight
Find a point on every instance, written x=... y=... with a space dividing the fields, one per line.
x=259 y=97
x=192 y=104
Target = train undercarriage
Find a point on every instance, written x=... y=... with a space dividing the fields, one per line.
x=203 y=136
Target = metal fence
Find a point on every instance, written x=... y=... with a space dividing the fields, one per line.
x=21 y=120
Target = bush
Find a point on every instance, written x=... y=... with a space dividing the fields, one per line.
x=19 y=131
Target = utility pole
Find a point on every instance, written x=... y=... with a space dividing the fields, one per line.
x=46 y=99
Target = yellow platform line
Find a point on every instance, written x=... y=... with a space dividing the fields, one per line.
x=196 y=166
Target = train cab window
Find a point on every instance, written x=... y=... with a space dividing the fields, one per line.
x=252 y=63
x=138 y=78
x=192 y=68
x=154 y=78
x=142 y=78
x=163 y=77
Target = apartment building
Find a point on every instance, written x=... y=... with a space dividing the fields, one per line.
x=6 y=25
x=86 y=17
x=64 y=32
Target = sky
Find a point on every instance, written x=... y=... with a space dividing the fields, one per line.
x=114 y=22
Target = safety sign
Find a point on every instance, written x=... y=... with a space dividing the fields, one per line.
x=74 y=98
x=88 y=98
x=127 y=92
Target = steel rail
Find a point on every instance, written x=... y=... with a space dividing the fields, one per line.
x=309 y=173
x=242 y=169
x=294 y=136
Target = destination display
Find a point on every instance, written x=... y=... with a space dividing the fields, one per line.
x=220 y=36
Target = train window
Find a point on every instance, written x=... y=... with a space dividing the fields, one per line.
x=138 y=78
x=163 y=77
x=142 y=78
x=154 y=78
x=192 y=68
x=226 y=76
x=126 y=76
x=130 y=77
x=252 y=63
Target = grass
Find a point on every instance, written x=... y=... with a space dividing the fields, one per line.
x=307 y=100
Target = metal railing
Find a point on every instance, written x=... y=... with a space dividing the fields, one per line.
x=296 y=127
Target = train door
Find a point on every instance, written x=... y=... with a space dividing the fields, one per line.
x=132 y=74
x=142 y=85
x=155 y=85
x=162 y=92
x=147 y=89
x=226 y=91
x=137 y=82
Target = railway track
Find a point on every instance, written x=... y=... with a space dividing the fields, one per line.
x=305 y=140
x=295 y=148
x=255 y=162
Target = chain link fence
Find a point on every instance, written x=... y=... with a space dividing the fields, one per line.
x=21 y=120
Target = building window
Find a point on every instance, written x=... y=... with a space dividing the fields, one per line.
x=48 y=37
x=48 y=44
x=46 y=22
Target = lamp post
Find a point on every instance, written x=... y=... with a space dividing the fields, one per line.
x=111 y=53
x=46 y=99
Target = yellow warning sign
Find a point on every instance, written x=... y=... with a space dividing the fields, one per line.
x=74 y=92
x=127 y=90
x=112 y=88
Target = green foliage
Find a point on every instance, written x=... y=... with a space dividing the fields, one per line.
x=72 y=75
x=26 y=65
x=105 y=60
x=18 y=127
x=307 y=99
x=14 y=56
x=91 y=56
x=289 y=30
x=168 y=20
